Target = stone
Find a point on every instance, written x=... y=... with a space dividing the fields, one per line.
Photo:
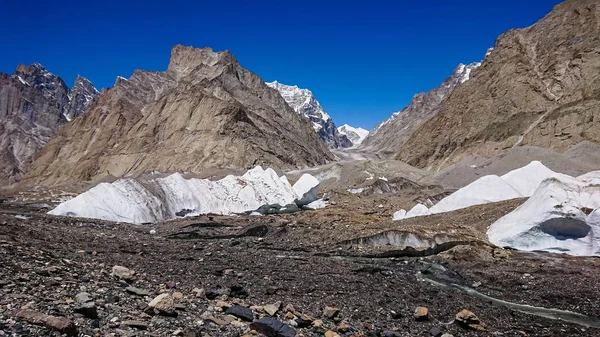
x=164 y=304
x=136 y=324
x=137 y=291
x=87 y=309
x=468 y=319
x=437 y=331
x=123 y=273
x=211 y=294
x=272 y=309
x=392 y=334
x=447 y=335
x=83 y=297
x=272 y=327
x=421 y=313
x=330 y=333
x=343 y=327
x=222 y=304
x=317 y=323
x=304 y=321
x=331 y=312
x=290 y=308
x=199 y=292
x=240 y=312
x=61 y=324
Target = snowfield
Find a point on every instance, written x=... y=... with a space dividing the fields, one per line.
x=132 y=201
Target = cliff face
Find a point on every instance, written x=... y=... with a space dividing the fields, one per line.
x=34 y=103
x=387 y=137
x=204 y=111
x=540 y=86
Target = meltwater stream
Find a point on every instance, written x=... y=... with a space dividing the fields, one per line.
x=557 y=314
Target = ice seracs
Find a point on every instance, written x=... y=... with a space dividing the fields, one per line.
x=133 y=201
x=561 y=216
x=518 y=183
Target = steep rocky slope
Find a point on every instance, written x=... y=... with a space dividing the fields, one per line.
x=304 y=102
x=204 y=111
x=387 y=137
x=33 y=104
x=540 y=86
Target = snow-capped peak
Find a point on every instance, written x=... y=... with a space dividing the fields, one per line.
x=463 y=72
x=301 y=100
x=356 y=135
x=304 y=103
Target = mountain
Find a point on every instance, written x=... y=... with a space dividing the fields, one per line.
x=34 y=103
x=387 y=137
x=356 y=135
x=204 y=111
x=540 y=86
x=303 y=102
x=82 y=95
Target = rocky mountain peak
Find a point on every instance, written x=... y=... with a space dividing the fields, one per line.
x=81 y=97
x=537 y=87
x=304 y=103
x=184 y=59
x=204 y=112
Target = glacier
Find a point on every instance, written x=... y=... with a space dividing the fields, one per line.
x=158 y=199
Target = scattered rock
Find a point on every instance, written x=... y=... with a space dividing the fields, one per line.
x=343 y=327
x=421 y=314
x=317 y=323
x=437 y=331
x=240 y=312
x=271 y=327
x=137 y=291
x=272 y=309
x=136 y=324
x=468 y=319
x=305 y=320
x=123 y=273
x=330 y=333
x=447 y=335
x=163 y=304
x=331 y=312
x=60 y=324
x=392 y=334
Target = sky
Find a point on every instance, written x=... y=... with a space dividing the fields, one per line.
x=363 y=60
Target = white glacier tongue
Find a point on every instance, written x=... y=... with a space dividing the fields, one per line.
x=561 y=216
x=132 y=201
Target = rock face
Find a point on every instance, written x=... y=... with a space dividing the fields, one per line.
x=204 y=111
x=355 y=135
x=389 y=136
x=303 y=102
x=33 y=104
x=82 y=95
x=539 y=86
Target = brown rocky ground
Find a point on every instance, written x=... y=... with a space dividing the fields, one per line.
x=308 y=260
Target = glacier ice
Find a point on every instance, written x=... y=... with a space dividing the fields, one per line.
x=561 y=216
x=133 y=201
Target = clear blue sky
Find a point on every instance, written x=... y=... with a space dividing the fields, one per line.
x=362 y=59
